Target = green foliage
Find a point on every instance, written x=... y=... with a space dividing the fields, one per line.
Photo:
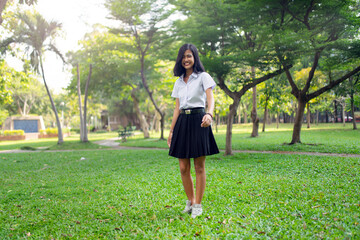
x=49 y=131
x=13 y=133
x=8 y=77
x=109 y=195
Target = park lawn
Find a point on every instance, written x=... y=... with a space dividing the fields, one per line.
x=70 y=143
x=326 y=138
x=137 y=194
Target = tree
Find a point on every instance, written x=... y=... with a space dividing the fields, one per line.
x=38 y=36
x=27 y=94
x=83 y=126
x=354 y=87
x=7 y=76
x=115 y=69
x=3 y=5
x=347 y=90
x=142 y=20
x=234 y=48
x=323 y=33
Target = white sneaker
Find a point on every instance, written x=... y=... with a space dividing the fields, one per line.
x=187 y=207
x=196 y=210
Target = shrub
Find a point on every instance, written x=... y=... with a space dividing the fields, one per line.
x=49 y=131
x=76 y=130
x=14 y=133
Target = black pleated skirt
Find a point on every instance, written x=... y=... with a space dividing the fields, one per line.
x=190 y=140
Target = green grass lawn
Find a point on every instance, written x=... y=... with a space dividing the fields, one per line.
x=137 y=194
x=72 y=142
x=331 y=138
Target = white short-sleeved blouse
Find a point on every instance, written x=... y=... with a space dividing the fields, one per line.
x=192 y=94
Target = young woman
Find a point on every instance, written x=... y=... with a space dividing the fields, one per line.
x=190 y=132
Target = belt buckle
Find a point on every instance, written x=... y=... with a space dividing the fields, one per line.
x=187 y=111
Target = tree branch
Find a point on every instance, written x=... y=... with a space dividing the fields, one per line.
x=225 y=88
x=332 y=84
x=262 y=79
x=311 y=73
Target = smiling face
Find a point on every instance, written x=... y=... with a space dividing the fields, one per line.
x=188 y=60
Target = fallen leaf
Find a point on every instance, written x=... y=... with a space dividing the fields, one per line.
x=315 y=206
x=120 y=213
x=261 y=233
x=28 y=234
x=167 y=206
x=96 y=190
x=119 y=228
x=171 y=220
x=77 y=222
x=181 y=218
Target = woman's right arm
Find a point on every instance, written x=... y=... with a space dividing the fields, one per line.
x=174 y=119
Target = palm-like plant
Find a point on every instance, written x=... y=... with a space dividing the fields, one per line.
x=38 y=36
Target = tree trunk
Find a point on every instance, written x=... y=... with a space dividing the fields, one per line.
x=85 y=105
x=308 y=115
x=155 y=122
x=60 y=135
x=335 y=111
x=343 y=106
x=217 y=117
x=298 y=121
x=230 y=120
x=254 y=117
x=143 y=124
x=144 y=81
x=24 y=109
x=277 y=120
x=317 y=117
x=245 y=116
x=82 y=120
x=353 y=110
x=2 y=7
x=265 y=113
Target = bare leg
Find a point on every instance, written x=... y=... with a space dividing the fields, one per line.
x=200 y=178
x=187 y=179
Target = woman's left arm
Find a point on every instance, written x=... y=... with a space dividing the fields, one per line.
x=208 y=117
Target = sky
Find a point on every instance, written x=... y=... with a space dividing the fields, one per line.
x=77 y=18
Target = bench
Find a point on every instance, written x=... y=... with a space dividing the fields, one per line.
x=126 y=132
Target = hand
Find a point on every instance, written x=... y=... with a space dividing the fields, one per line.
x=206 y=121
x=169 y=139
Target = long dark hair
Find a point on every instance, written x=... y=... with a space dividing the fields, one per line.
x=179 y=69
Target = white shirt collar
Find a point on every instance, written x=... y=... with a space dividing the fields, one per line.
x=193 y=75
